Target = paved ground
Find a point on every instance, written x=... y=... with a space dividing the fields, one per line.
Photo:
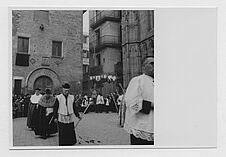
x=93 y=129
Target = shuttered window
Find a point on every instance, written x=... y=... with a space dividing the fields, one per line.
x=23 y=44
x=57 y=49
x=22 y=56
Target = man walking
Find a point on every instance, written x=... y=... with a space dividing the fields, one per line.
x=64 y=112
x=139 y=99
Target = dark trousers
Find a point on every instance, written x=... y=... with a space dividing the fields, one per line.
x=67 y=135
x=139 y=141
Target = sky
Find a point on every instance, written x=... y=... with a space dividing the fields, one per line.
x=86 y=22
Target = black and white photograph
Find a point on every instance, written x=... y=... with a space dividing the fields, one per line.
x=113 y=78
x=82 y=77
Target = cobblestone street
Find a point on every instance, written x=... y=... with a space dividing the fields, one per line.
x=93 y=129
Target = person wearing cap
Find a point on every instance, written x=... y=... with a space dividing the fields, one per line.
x=65 y=113
x=32 y=108
x=45 y=123
x=139 y=100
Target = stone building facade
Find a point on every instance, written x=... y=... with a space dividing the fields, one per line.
x=137 y=41
x=86 y=81
x=105 y=49
x=46 y=50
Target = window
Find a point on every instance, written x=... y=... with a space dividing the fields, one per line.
x=98 y=61
x=22 y=57
x=57 y=49
x=85 y=69
x=17 y=86
x=98 y=36
x=23 y=44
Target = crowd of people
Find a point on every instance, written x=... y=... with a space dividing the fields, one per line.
x=20 y=105
x=100 y=104
x=110 y=103
x=49 y=113
x=44 y=115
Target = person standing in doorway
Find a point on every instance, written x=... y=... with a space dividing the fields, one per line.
x=139 y=99
x=65 y=113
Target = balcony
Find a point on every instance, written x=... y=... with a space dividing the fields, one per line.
x=105 y=41
x=96 y=70
x=105 y=15
x=22 y=59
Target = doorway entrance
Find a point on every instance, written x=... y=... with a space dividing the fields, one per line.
x=17 y=86
x=43 y=82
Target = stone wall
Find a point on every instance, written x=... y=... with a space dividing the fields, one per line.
x=137 y=41
x=64 y=26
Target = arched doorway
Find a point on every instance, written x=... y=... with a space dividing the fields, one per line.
x=43 y=82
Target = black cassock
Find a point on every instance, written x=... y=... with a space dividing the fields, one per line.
x=45 y=124
x=67 y=136
x=32 y=115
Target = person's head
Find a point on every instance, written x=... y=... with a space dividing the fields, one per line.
x=148 y=66
x=66 y=88
x=37 y=91
x=48 y=92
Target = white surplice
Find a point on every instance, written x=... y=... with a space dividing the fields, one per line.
x=139 y=124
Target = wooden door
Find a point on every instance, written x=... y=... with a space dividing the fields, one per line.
x=43 y=82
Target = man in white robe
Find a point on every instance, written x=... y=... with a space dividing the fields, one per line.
x=139 y=99
x=65 y=113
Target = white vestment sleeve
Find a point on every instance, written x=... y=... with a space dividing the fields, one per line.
x=133 y=95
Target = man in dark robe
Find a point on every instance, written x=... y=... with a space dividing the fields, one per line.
x=64 y=112
x=45 y=123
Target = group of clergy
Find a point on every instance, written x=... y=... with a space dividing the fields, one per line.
x=48 y=114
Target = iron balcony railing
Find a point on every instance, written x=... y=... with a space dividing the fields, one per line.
x=105 y=41
x=111 y=15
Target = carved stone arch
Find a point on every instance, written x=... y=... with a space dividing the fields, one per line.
x=35 y=74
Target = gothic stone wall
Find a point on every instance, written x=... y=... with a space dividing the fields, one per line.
x=137 y=41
